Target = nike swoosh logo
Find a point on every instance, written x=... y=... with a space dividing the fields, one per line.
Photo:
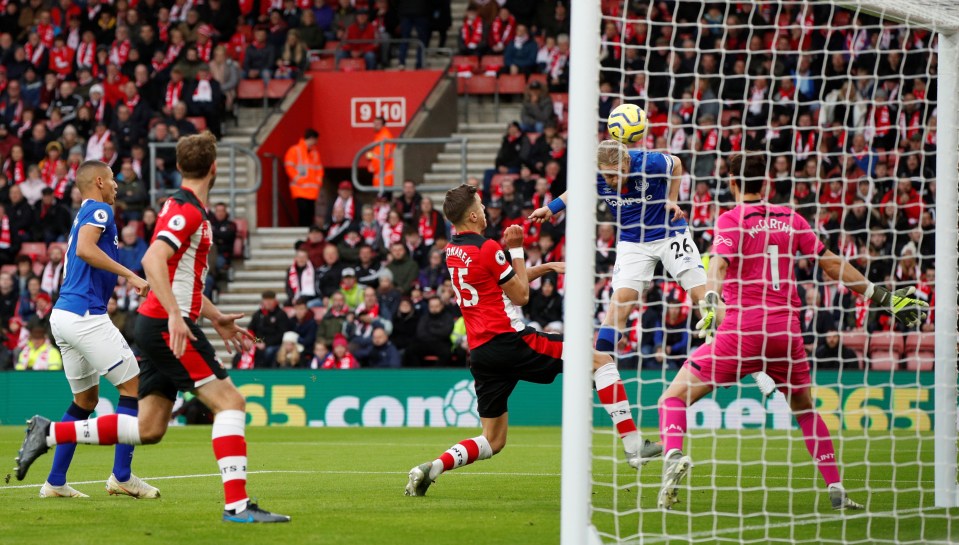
x=249 y=518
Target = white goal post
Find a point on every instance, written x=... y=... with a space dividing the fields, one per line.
x=939 y=16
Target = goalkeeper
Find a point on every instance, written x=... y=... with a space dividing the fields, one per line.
x=753 y=267
x=641 y=188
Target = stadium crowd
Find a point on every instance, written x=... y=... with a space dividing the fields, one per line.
x=845 y=106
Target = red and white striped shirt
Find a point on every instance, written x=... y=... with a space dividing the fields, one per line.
x=183 y=224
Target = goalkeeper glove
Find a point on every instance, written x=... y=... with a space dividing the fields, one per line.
x=707 y=323
x=904 y=307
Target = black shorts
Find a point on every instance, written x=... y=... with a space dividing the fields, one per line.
x=506 y=359
x=161 y=372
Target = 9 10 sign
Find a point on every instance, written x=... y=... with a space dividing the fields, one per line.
x=366 y=109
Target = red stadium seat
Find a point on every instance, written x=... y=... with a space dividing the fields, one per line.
x=923 y=361
x=250 y=89
x=541 y=78
x=491 y=63
x=512 y=84
x=278 y=88
x=352 y=65
x=324 y=64
x=480 y=85
x=36 y=250
x=885 y=350
x=920 y=351
x=198 y=122
x=241 y=243
x=464 y=63
x=855 y=340
x=883 y=363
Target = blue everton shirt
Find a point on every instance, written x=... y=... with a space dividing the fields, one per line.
x=640 y=206
x=85 y=288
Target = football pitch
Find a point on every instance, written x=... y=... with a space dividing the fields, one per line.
x=345 y=486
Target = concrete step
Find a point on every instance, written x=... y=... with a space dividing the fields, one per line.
x=273 y=253
x=482 y=137
x=257 y=264
x=254 y=287
x=451 y=180
x=243 y=275
x=482 y=127
x=251 y=300
x=471 y=156
x=455 y=167
x=475 y=146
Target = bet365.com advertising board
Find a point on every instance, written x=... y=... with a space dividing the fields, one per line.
x=445 y=398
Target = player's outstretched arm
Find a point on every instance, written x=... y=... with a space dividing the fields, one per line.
x=88 y=251
x=900 y=303
x=234 y=336
x=543 y=213
x=558 y=267
x=516 y=288
x=155 y=268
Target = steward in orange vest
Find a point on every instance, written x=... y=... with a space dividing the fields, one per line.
x=305 y=170
x=381 y=155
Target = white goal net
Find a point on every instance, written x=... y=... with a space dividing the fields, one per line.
x=854 y=108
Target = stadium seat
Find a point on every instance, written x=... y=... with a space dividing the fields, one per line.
x=481 y=85
x=323 y=64
x=352 y=65
x=198 y=122
x=491 y=63
x=923 y=361
x=511 y=84
x=855 y=340
x=920 y=351
x=36 y=250
x=278 y=88
x=464 y=64
x=885 y=350
x=250 y=89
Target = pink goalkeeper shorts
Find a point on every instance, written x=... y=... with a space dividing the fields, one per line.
x=733 y=355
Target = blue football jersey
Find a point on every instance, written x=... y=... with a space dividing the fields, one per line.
x=640 y=207
x=85 y=288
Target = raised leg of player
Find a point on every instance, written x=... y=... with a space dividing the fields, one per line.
x=467 y=451
x=612 y=395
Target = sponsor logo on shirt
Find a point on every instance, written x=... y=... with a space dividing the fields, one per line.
x=724 y=241
x=628 y=201
x=177 y=222
x=100 y=215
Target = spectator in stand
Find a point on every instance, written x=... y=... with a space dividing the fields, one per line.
x=352 y=291
x=432 y=346
x=53 y=220
x=227 y=73
x=132 y=250
x=132 y=197
x=301 y=281
x=293 y=57
x=408 y=203
x=472 y=33
x=907 y=199
x=224 y=236
x=502 y=31
x=380 y=353
x=52 y=276
x=671 y=336
x=268 y=325
x=405 y=322
x=33 y=186
x=392 y=230
x=330 y=273
x=205 y=99
x=27 y=308
x=149 y=223
x=368 y=269
x=434 y=273
x=508 y=158
x=430 y=223
x=20 y=213
x=309 y=32
x=338 y=225
x=340 y=357
x=403 y=269
x=557 y=67
x=833 y=355
x=24 y=265
x=304 y=167
x=519 y=56
x=814 y=320
x=320 y=352
x=335 y=318
x=537 y=109
x=387 y=295
x=360 y=31
x=9 y=297
x=290 y=353
x=369 y=229
x=304 y=323
x=494 y=220
x=415 y=15
x=381 y=157
x=260 y=56
x=415 y=248
x=545 y=304
x=39 y=354
x=313 y=245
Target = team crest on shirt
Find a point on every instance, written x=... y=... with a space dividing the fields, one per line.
x=177 y=222
x=728 y=242
x=500 y=257
x=100 y=215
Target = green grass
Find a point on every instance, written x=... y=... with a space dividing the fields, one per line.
x=345 y=486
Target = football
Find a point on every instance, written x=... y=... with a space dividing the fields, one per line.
x=627 y=123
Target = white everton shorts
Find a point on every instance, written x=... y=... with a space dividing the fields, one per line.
x=636 y=262
x=91 y=347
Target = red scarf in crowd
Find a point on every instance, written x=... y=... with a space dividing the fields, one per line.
x=61 y=60
x=711 y=142
x=48 y=171
x=882 y=120
x=46 y=34
x=59 y=186
x=6 y=237
x=736 y=142
x=503 y=31
x=174 y=92
x=119 y=52
x=308 y=280
x=912 y=122
x=472 y=32
x=86 y=53
x=205 y=52
x=131 y=103
x=34 y=53
x=17 y=172
x=427 y=229
x=804 y=144
x=164 y=31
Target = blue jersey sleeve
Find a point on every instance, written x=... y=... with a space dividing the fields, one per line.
x=99 y=215
x=653 y=163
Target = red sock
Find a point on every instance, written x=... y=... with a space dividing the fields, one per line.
x=672 y=423
x=819 y=444
x=612 y=394
x=463 y=453
x=229 y=447
x=105 y=430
